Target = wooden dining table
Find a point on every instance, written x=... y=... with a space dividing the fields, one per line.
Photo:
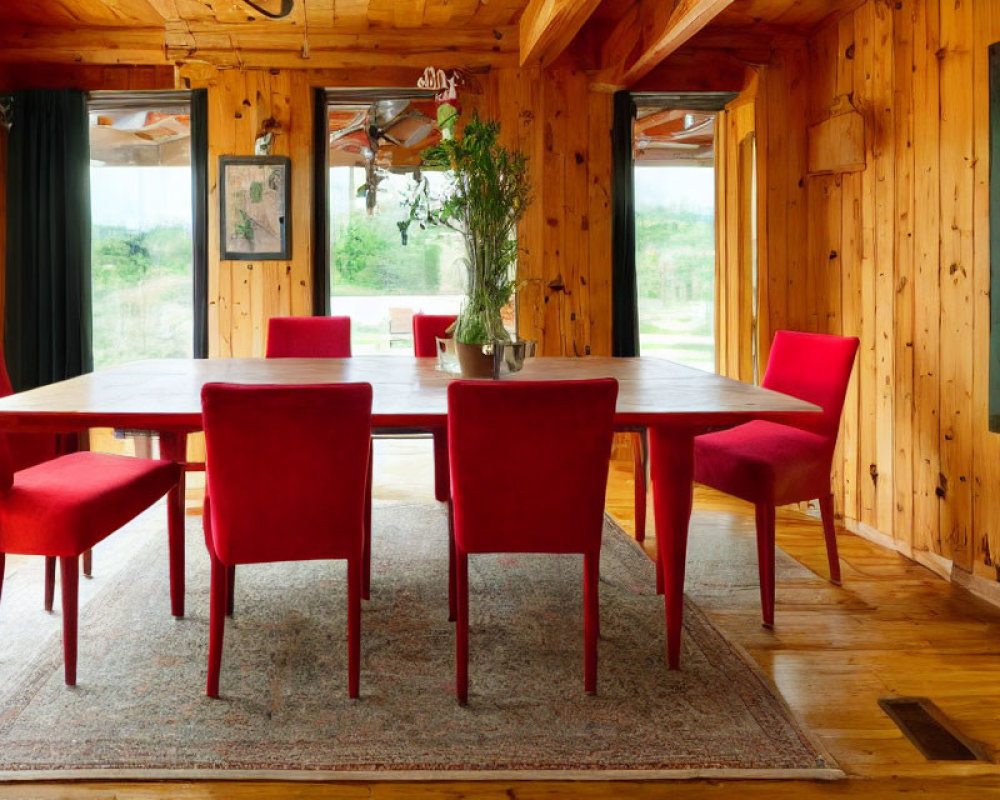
x=673 y=402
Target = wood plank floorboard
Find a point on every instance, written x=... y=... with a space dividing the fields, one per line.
x=894 y=628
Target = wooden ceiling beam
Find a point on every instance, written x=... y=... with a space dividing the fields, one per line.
x=548 y=26
x=260 y=45
x=84 y=45
x=651 y=30
x=333 y=47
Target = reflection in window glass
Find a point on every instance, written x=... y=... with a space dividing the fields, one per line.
x=374 y=154
x=140 y=180
x=674 y=152
x=377 y=281
x=675 y=263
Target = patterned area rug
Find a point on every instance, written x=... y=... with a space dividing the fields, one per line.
x=140 y=708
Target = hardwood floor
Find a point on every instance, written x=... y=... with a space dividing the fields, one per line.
x=894 y=628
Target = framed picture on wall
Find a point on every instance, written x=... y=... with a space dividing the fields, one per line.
x=255 y=194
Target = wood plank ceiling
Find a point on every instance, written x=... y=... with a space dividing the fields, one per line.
x=620 y=41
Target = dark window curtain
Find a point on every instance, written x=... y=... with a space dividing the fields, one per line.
x=321 y=201
x=624 y=297
x=199 y=211
x=994 y=206
x=48 y=323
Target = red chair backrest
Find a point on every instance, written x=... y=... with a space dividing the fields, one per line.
x=286 y=469
x=529 y=463
x=309 y=337
x=24 y=450
x=426 y=327
x=815 y=367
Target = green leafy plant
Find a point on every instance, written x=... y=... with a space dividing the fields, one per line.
x=486 y=197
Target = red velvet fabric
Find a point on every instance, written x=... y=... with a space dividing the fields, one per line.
x=426 y=327
x=309 y=337
x=26 y=449
x=765 y=462
x=294 y=488
x=814 y=367
x=529 y=464
x=529 y=469
x=64 y=506
x=771 y=464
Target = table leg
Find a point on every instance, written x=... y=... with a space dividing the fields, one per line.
x=173 y=447
x=672 y=470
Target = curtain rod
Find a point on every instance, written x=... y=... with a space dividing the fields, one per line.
x=685 y=101
x=111 y=100
x=367 y=94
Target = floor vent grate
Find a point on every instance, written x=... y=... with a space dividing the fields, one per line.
x=930 y=730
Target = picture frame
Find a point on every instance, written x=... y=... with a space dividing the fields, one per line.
x=255 y=208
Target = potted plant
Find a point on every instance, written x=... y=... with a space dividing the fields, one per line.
x=486 y=197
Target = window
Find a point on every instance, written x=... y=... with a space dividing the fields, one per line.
x=141 y=210
x=374 y=164
x=675 y=234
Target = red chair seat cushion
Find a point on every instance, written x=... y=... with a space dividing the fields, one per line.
x=65 y=506
x=764 y=462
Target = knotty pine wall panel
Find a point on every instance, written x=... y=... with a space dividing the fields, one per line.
x=243 y=295
x=564 y=260
x=734 y=147
x=897 y=254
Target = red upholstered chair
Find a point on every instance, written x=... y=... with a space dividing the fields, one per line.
x=556 y=437
x=63 y=506
x=315 y=337
x=28 y=449
x=293 y=490
x=770 y=464
x=309 y=337
x=426 y=329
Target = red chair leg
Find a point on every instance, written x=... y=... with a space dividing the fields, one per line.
x=366 y=556
x=216 y=624
x=591 y=620
x=69 y=568
x=639 y=475
x=88 y=563
x=451 y=563
x=50 y=581
x=354 y=575
x=830 y=533
x=765 y=561
x=173 y=447
x=442 y=477
x=230 y=590
x=462 y=627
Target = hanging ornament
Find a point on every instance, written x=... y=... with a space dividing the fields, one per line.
x=446 y=85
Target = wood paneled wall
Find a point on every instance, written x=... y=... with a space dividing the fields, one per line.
x=243 y=295
x=897 y=254
x=564 y=264
x=552 y=116
x=735 y=235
